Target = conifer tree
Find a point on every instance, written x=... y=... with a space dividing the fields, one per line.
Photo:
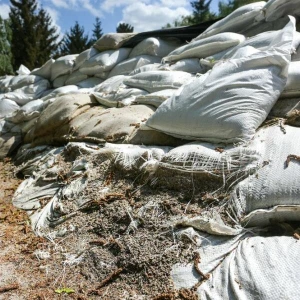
x=75 y=41
x=225 y=8
x=5 y=52
x=201 y=11
x=124 y=27
x=97 y=31
x=33 y=36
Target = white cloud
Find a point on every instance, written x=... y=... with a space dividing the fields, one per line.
x=60 y=3
x=145 y=17
x=4 y=11
x=110 y=5
x=54 y=14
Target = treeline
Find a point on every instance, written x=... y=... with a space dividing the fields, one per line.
x=29 y=37
x=202 y=11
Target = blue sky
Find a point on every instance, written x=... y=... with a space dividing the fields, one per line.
x=144 y=15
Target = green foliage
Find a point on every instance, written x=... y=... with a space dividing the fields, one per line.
x=75 y=41
x=5 y=52
x=201 y=11
x=97 y=31
x=64 y=290
x=179 y=22
x=33 y=35
x=124 y=27
x=225 y=8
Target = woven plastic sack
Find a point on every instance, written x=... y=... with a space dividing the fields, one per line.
x=74 y=78
x=112 y=41
x=21 y=81
x=190 y=65
x=200 y=48
x=156 y=98
x=155 y=81
x=84 y=56
x=45 y=70
x=7 y=107
x=60 y=91
x=63 y=66
x=292 y=88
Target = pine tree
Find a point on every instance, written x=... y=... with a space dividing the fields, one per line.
x=124 y=27
x=97 y=31
x=5 y=52
x=33 y=36
x=47 y=37
x=201 y=11
x=225 y=8
x=74 y=41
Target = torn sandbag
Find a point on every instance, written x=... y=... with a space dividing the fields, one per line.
x=129 y=65
x=118 y=98
x=154 y=81
x=112 y=41
x=276 y=182
x=228 y=103
x=155 y=47
x=242 y=265
x=205 y=47
x=104 y=61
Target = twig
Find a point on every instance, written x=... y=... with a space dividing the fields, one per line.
x=291 y=157
x=204 y=276
x=9 y=288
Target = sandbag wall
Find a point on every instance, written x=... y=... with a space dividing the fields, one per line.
x=223 y=106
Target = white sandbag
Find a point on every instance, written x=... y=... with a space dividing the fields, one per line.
x=228 y=103
x=61 y=91
x=118 y=98
x=5 y=83
x=275 y=9
x=59 y=81
x=239 y=19
x=155 y=47
x=28 y=93
x=156 y=98
x=45 y=70
x=261 y=267
x=146 y=68
x=7 y=107
x=74 y=78
x=229 y=162
x=23 y=70
x=84 y=56
x=127 y=66
x=292 y=88
x=104 y=61
x=155 y=81
x=20 y=81
x=205 y=47
x=190 y=65
x=295 y=56
x=63 y=66
x=27 y=112
x=277 y=182
x=89 y=83
x=112 y=41
x=134 y=156
x=112 y=84
x=102 y=75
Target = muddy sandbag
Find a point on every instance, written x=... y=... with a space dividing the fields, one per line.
x=155 y=99
x=63 y=66
x=45 y=70
x=61 y=111
x=112 y=41
x=104 y=61
x=155 y=47
x=238 y=20
x=60 y=91
x=127 y=66
x=205 y=47
x=118 y=98
x=155 y=81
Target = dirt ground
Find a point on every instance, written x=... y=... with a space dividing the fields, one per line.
x=105 y=252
